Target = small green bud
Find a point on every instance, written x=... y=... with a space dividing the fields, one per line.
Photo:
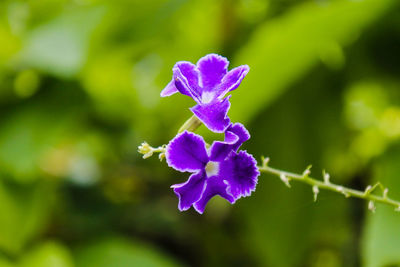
x=371 y=206
x=285 y=180
x=307 y=171
x=385 y=193
x=315 y=190
x=326 y=177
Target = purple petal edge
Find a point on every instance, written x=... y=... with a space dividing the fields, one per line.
x=214 y=115
x=187 y=152
x=212 y=68
x=170 y=89
x=232 y=80
x=186 y=78
x=190 y=191
x=219 y=150
x=215 y=186
x=241 y=132
x=235 y=135
x=241 y=172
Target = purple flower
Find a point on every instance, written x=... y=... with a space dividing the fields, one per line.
x=221 y=170
x=207 y=83
x=235 y=135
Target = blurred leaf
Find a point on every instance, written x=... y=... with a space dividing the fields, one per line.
x=281 y=221
x=60 y=47
x=131 y=59
x=23 y=213
x=284 y=49
x=381 y=235
x=364 y=103
x=49 y=254
x=5 y=263
x=119 y=252
x=9 y=44
x=27 y=135
x=274 y=214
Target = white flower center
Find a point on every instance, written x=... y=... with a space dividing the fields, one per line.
x=207 y=97
x=212 y=168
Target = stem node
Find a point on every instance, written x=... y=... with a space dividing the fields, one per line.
x=371 y=206
x=326 y=177
x=315 y=190
x=367 y=194
x=285 y=180
x=307 y=171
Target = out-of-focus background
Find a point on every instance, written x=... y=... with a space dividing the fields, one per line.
x=79 y=91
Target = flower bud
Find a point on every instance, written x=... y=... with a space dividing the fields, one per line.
x=371 y=206
x=315 y=190
x=146 y=150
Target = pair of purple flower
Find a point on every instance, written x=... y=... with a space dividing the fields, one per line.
x=220 y=169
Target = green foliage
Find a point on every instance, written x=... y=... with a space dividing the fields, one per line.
x=24 y=212
x=284 y=49
x=5 y=263
x=60 y=47
x=79 y=91
x=120 y=252
x=381 y=243
x=49 y=254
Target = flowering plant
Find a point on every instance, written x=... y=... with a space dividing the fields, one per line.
x=221 y=168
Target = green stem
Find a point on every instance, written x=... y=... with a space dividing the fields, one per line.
x=327 y=185
x=190 y=125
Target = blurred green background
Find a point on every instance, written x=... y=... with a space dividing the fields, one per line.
x=79 y=91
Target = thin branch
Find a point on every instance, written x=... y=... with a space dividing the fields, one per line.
x=316 y=184
x=190 y=125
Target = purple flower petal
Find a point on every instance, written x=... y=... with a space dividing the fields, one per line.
x=170 y=89
x=212 y=69
x=241 y=172
x=232 y=80
x=241 y=132
x=207 y=83
x=221 y=149
x=186 y=78
x=187 y=152
x=215 y=186
x=235 y=136
x=190 y=191
x=214 y=114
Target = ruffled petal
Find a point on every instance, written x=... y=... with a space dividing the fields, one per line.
x=235 y=136
x=212 y=69
x=232 y=80
x=215 y=186
x=190 y=191
x=186 y=78
x=170 y=89
x=214 y=115
x=241 y=173
x=219 y=150
x=187 y=152
x=241 y=132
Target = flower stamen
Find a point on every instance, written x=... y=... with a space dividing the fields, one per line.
x=207 y=97
x=212 y=168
